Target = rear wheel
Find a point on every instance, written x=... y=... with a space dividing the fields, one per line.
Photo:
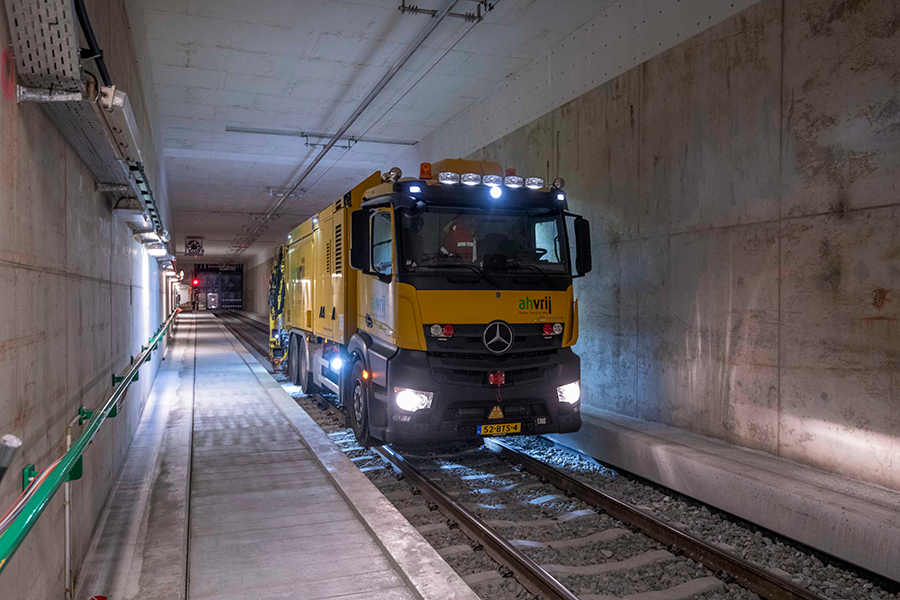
x=358 y=406
x=305 y=370
x=293 y=360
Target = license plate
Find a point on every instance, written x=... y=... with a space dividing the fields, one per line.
x=499 y=428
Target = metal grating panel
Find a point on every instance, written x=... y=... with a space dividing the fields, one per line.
x=80 y=125
x=338 y=249
x=45 y=39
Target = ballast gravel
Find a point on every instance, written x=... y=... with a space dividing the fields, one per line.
x=802 y=568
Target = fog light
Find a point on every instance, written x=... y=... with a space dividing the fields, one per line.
x=569 y=393
x=412 y=400
x=492 y=180
x=448 y=177
x=534 y=183
x=336 y=364
x=496 y=192
x=414 y=189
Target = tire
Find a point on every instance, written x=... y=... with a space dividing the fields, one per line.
x=293 y=360
x=304 y=371
x=358 y=406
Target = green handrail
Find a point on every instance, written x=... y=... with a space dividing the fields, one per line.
x=12 y=537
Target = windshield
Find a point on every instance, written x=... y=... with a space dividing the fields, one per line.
x=479 y=240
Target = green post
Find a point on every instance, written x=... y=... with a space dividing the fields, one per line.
x=28 y=473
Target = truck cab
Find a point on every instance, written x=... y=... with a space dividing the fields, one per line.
x=465 y=311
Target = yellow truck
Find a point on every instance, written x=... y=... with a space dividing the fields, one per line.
x=436 y=308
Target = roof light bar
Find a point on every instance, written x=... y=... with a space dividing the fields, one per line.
x=534 y=183
x=492 y=180
x=471 y=178
x=514 y=181
x=448 y=177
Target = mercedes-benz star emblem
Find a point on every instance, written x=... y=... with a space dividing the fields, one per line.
x=498 y=337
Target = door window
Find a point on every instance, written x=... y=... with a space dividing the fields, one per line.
x=382 y=243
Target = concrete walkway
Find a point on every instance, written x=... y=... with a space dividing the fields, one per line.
x=222 y=498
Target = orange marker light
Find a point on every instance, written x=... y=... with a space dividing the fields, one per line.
x=365 y=374
x=425 y=171
x=510 y=172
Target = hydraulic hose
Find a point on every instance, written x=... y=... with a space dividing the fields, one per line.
x=93 y=48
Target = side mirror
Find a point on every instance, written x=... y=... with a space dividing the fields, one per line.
x=583 y=262
x=359 y=240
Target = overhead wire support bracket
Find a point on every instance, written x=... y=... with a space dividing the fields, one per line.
x=476 y=17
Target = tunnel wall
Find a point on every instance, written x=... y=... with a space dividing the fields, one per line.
x=79 y=296
x=256 y=285
x=743 y=197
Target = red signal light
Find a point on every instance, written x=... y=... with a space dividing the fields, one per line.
x=548 y=329
x=196 y=282
x=447 y=330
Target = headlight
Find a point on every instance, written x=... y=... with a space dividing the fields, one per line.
x=336 y=364
x=412 y=400
x=569 y=393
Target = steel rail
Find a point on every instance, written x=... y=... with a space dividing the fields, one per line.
x=527 y=572
x=723 y=563
x=246 y=321
x=234 y=327
x=15 y=534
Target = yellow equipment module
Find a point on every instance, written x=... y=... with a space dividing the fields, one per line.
x=320 y=287
x=437 y=308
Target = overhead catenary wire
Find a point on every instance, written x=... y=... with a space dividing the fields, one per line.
x=392 y=106
x=413 y=86
x=413 y=46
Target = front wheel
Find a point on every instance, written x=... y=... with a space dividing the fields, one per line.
x=358 y=407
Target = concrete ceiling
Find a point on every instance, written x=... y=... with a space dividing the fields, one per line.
x=305 y=65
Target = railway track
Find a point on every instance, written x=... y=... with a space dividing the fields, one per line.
x=547 y=580
x=558 y=537
x=251 y=332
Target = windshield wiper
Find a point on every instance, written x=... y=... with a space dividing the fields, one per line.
x=533 y=268
x=469 y=266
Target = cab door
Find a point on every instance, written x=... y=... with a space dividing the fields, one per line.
x=376 y=295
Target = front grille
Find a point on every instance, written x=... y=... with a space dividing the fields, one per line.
x=474 y=369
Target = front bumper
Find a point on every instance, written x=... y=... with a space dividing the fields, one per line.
x=463 y=398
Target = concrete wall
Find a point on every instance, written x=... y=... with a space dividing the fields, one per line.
x=78 y=296
x=256 y=287
x=742 y=190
